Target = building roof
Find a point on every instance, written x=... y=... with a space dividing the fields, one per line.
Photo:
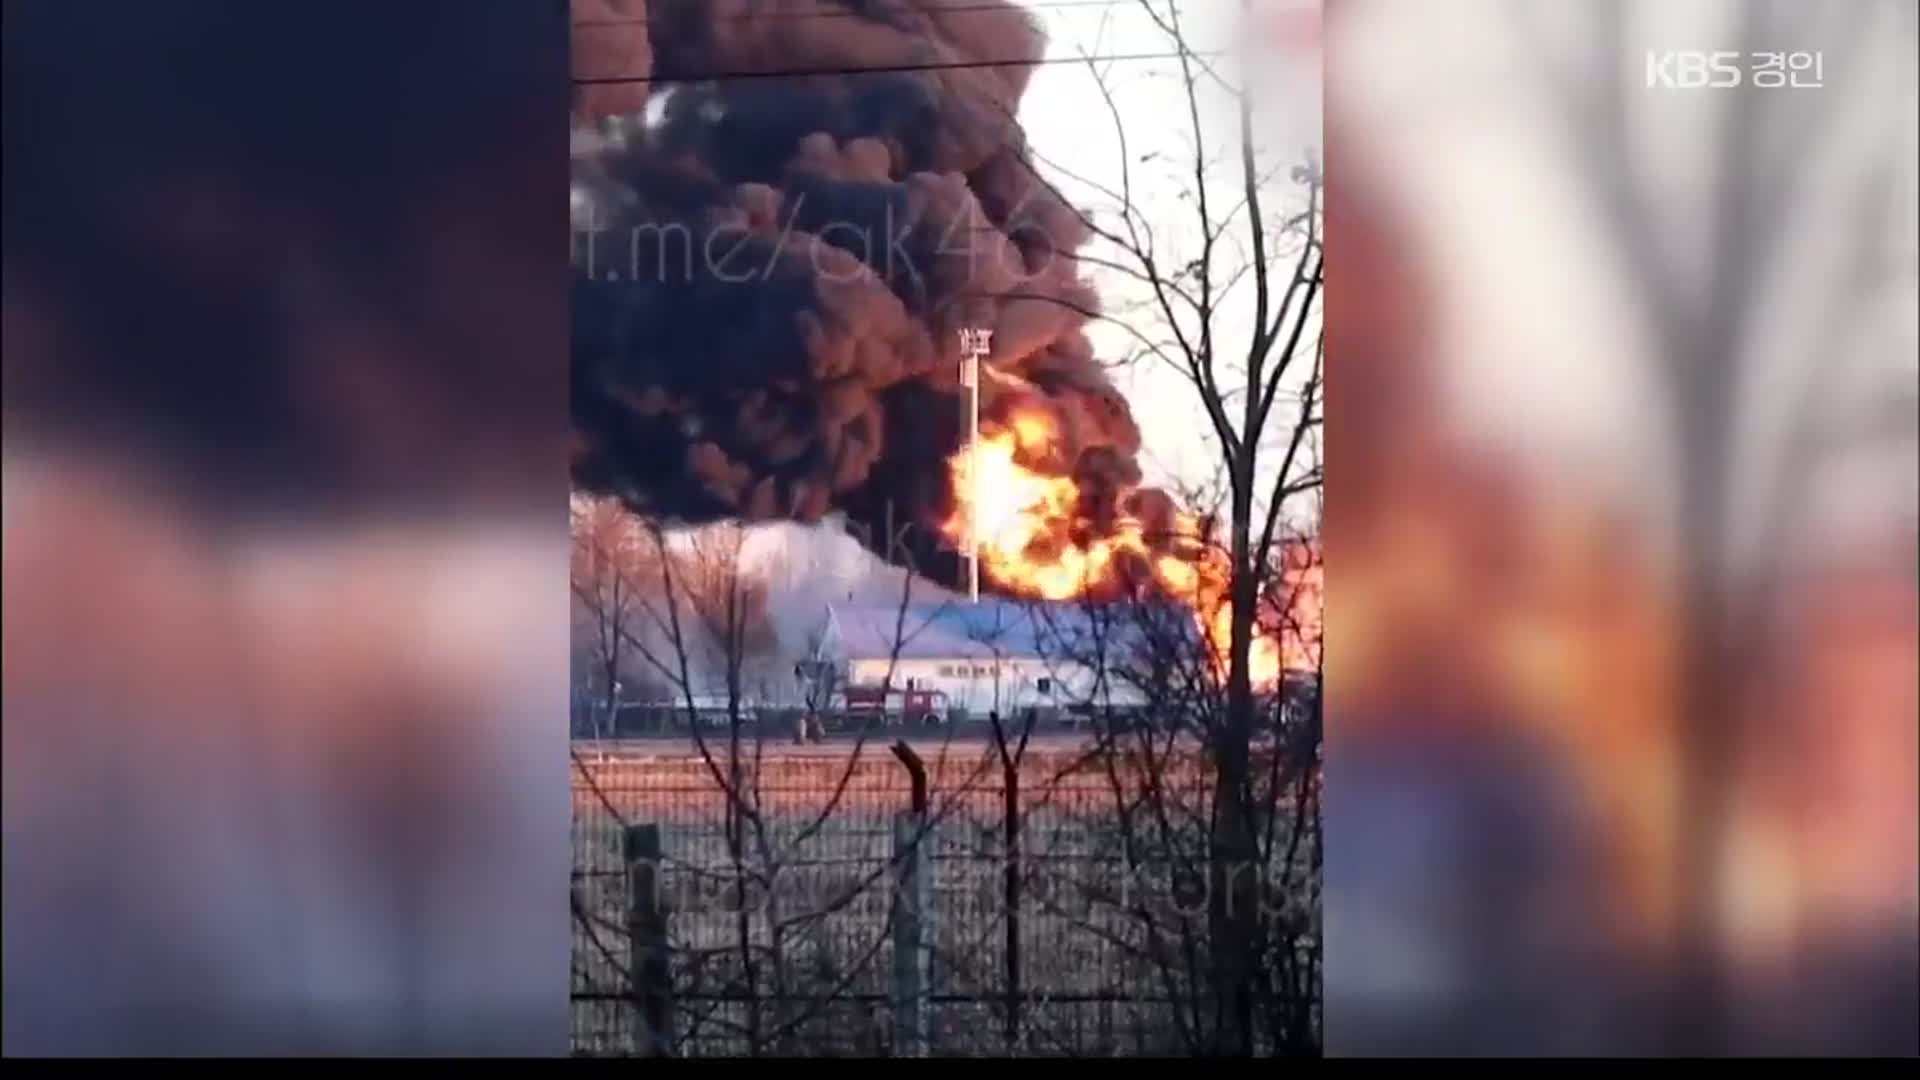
x=957 y=629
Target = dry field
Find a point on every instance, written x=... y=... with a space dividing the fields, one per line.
x=780 y=779
x=824 y=818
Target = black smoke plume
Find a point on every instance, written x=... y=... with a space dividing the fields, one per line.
x=777 y=253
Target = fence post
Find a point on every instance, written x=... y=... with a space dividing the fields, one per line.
x=647 y=956
x=1010 y=809
x=910 y=902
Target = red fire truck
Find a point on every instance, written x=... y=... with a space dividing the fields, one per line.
x=895 y=706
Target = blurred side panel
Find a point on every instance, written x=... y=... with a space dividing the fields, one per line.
x=1621 y=595
x=285 y=605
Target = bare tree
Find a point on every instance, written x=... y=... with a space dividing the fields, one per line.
x=773 y=979
x=607 y=576
x=1699 y=262
x=1768 y=155
x=1228 y=286
x=726 y=602
x=820 y=677
x=1218 y=285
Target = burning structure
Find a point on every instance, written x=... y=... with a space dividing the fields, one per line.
x=796 y=213
x=976 y=658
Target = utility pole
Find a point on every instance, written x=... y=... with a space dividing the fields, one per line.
x=975 y=343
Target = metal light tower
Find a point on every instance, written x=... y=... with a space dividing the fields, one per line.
x=975 y=343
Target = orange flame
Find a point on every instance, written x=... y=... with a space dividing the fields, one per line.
x=1033 y=541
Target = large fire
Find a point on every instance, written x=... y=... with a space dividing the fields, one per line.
x=1034 y=540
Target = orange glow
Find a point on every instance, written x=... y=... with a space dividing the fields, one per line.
x=1034 y=542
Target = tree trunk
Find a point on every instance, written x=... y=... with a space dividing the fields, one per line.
x=1233 y=906
x=607 y=713
x=1707 y=744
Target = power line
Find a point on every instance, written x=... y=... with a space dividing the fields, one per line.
x=882 y=69
x=972 y=5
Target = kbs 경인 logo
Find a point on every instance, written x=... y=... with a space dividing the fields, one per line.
x=1692 y=69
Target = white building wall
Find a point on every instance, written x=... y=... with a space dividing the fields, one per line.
x=980 y=685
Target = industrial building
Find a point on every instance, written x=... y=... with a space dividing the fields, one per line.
x=969 y=659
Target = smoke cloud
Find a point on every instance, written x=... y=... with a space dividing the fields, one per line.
x=776 y=252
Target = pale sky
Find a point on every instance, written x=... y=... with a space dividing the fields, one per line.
x=1071 y=131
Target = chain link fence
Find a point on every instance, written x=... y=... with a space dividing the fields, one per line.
x=778 y=889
